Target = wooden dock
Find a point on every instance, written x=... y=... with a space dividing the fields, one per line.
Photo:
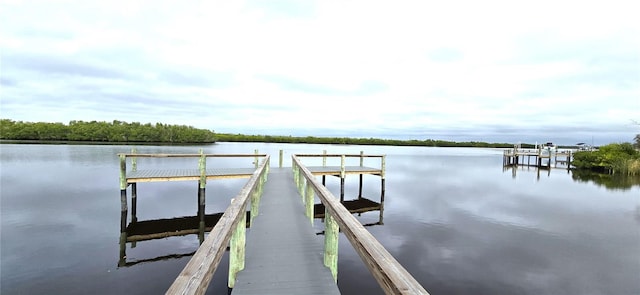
x=541 y=159
x=281 y=254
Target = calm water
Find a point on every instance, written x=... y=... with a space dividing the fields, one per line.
x=453 y=217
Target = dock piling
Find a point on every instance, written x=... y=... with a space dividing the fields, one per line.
x=309 y=202
x=342 y=176
x=383 y=165
x=324 y=164
x=361 y=175
x=123 y=191
x=331 y=236
x=237 y=251
x=134 y=202
x=202 y=183
x=255 y=159
x=134 y=160
x=134 y=189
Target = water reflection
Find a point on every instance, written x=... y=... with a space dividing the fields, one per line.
x=609 y=181
x=138 y=231
x=359 y=206
x=453 y=220
x=540 y=171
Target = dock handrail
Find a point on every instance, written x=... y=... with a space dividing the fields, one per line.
x=230 y=230
x=191 y=155
x=202 y=164
x=392 y=277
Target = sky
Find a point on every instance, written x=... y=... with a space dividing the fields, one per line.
x=496 y=71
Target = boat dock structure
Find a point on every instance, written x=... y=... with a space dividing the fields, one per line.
x=281 y=254
x=542 y=158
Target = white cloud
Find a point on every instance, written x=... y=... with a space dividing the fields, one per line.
x=454 y=68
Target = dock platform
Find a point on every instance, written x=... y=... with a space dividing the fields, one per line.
x=280 y=253
x=154 y=175
x=516 y=157
x=283 y=253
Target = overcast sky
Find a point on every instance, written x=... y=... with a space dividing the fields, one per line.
x=565 y=71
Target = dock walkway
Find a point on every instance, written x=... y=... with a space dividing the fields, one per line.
x=283 y=253
x=280 y=253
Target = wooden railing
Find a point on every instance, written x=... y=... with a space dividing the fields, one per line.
x=202 y=164
x=392 y=277
x=511 y=152
x=230 y=230
x=343 y=170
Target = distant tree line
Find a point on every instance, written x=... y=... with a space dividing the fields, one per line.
x=95 y=131
x=118 y=131
x=358 y=141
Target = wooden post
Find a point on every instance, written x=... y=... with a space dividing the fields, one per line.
x=280 y=159
x=123 y=191
x=201 y=229
x=342 y=176
x=309 y=197
x=361 y=175
x=324 y=158
x=134 y=202
x=267 y=169
x=303 y=190
x=255 y=161
x=134 y=189
x=324 y=163
x=255 y=203
x=134 y=160
x=383 y=167
x=202 y=184
x=123 y=248
x=299 y=180
x=237 y=250
x=539 y=161
x=293 y=171
x=331 y=235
